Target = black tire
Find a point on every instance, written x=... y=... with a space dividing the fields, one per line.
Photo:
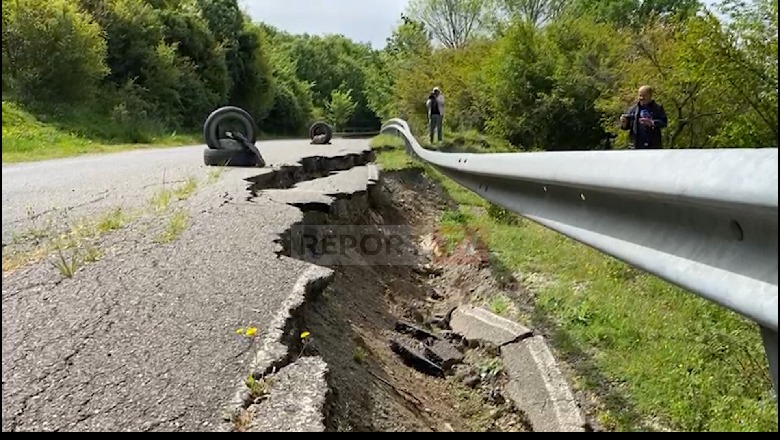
x=320 y=128
x=230 y=158
x=215 y=126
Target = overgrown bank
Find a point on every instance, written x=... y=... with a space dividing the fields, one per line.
x=29 y=138
x=647 y=354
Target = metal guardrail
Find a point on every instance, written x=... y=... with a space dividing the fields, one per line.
x=705 y=220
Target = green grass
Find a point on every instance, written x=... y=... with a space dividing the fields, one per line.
x=386 y=142
x=112 y=220
x=359 y=355
x=653 y=353
x=29 y=138
x=500 y=305
x=177 y=224
x=79 y=240
x=161 y=200
x=392 y=155
x=473 y=142
x=187 y=189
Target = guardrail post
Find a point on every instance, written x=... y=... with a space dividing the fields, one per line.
x=770 y=345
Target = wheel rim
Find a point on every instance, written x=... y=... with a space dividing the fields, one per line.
x=230 y=125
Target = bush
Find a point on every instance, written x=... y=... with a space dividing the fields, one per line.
x=290 y=112
x=205 y=78
x=252 y=87
x=52 y=52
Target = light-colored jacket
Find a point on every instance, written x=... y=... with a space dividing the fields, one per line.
x=439 y=100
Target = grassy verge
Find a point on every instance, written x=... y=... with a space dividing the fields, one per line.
x=653 y=354
x=28 y=138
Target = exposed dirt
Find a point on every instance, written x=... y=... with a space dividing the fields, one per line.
x=354 y=320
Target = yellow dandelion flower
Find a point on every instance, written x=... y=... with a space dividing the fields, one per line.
x=240 y=331
x=305 y=335
x=251 y=332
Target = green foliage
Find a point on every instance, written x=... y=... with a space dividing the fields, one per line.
x=207 y=78
x=633 y=13
x=453 y=23
x=292 y=107
x=546 y=84
x=536 y=12
x=330 y=63
x=340 y=108
x=76 y=131
x=51 y=51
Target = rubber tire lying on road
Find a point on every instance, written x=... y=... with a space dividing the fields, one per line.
x=210 y=127
x=230 y=158
x=319 y=128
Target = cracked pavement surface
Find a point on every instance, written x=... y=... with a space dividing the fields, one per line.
x=144 y=339
x=89 y=185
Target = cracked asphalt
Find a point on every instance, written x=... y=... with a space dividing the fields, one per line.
x=145 y=338
x=67 y=189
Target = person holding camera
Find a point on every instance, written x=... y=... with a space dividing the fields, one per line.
x=644 y=121
x=435 y=104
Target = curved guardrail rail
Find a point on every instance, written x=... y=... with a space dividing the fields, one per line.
x=705 y=220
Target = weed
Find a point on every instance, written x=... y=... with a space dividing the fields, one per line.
x=184 y=191
x=306 y=340
x=455 y=217
x=490 y=368
x=161 y=200
x=258 y=388
x=111 y=221
x=66 y=265
x=500 y=305
x=503 y=215
x=92 y=254
x=359 y=355
x=214 y=175
x=177 y=224
x=243 y=421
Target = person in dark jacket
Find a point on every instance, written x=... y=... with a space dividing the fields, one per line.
x=644 y=121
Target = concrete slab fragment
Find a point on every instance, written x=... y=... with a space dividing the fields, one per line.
x=477 y=324
x=296 y=402
x=538 y=387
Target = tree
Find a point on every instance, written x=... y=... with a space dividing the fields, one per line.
x=546 y=84
x=206 y=81
x=452 y=23
x=536 y=12
x=51 y=51
x=409 y=38
x=405 y=47
x=632 y=13
x=340 y=108
x=330 y=62
x=741 y=60
x=245 y=55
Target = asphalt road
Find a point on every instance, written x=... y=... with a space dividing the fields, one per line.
x=54 y=194
x=145 y=338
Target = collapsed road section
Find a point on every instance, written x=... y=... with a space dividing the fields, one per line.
x=229 y=327
x=378 y=342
